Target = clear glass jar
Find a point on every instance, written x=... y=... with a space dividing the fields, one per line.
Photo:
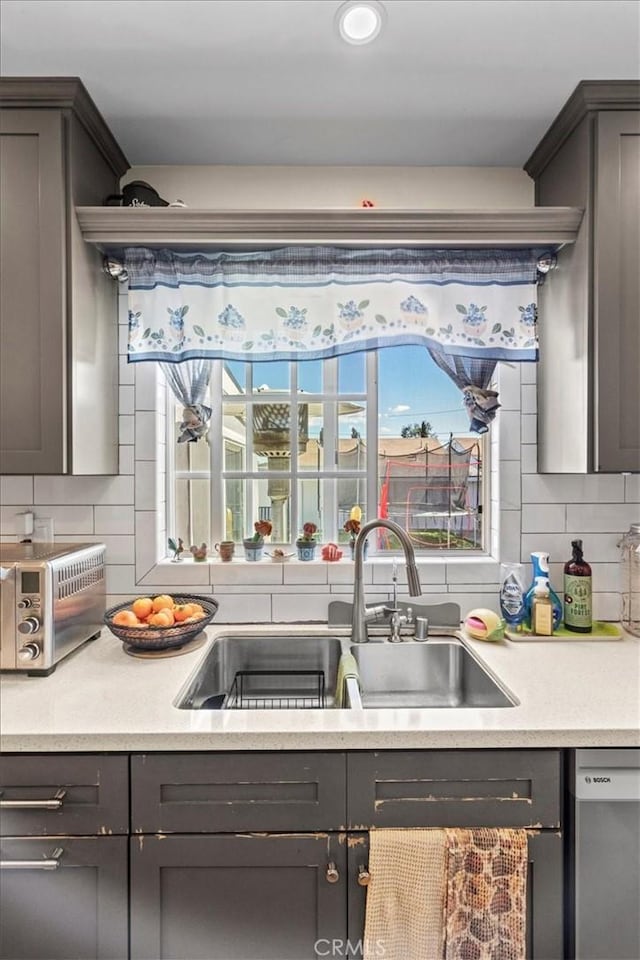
x=630 y=579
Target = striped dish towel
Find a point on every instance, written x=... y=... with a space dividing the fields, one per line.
x=446 y=894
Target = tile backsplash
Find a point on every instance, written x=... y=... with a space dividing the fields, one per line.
x=126 y=512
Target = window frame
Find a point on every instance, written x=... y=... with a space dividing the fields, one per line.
x=217 y=475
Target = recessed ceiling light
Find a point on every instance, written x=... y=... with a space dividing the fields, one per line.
x=360 y=21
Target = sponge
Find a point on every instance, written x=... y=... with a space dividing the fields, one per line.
x=484 y=624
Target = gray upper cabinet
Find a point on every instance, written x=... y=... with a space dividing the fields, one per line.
x=588 y=382
x=58 y=311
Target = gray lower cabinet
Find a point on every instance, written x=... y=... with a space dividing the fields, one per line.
x=237 y=897
x=63 y=898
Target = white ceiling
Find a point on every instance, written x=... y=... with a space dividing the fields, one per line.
x=449 y=82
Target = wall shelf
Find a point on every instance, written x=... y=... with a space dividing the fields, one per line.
x=112 y=228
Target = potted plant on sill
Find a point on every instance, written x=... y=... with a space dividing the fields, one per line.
x=253 y=546
x=352 y=527
x=306 y=542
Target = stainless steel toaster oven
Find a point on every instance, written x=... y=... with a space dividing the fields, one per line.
x=52 y=599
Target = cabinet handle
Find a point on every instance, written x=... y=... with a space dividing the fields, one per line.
x=52 y=863
x=364 y=877
x=54 y=803
x=332 y=873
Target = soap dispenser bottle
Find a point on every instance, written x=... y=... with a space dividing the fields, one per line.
x=540 y=562
x=541 y=609
x=577 y=592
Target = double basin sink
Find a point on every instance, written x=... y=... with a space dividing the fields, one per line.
x=249 y=671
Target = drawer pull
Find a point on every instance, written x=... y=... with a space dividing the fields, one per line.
x=52 y=863
x=53 y=804
x=332 y=873
x=364 y=877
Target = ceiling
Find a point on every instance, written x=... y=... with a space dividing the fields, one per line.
x=449 y=82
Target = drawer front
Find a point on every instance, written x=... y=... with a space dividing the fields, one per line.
x=454 y=788
x=227 y=793
x=47 y=795
x=64 y=898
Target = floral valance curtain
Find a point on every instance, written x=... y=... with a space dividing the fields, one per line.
x=313 y=302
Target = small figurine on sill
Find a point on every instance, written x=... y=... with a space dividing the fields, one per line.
x=176 y=549
x=199 y=553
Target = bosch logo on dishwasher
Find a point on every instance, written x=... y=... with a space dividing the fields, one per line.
x=597 y=780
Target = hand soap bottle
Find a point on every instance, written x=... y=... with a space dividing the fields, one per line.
x=577 y=592
x=541 y=609
x=540 y=563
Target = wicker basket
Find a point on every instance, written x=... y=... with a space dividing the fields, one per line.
x=162 y=638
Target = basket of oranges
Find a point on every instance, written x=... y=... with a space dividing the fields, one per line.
x=158 y=623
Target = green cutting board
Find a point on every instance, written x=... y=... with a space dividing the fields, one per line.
x=601 y=631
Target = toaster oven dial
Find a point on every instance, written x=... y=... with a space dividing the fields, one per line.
x=26 y=602
x=30 y=651
x=29 y=625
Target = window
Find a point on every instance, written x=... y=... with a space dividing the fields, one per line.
x=385 y=432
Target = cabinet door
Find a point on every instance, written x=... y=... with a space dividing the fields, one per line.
x=544 y=897
x=236 y=897
x=70 y=905
x=617 y=291
x=32 y=292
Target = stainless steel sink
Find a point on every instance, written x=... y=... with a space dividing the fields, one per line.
x=439 y=673
x=264 y=672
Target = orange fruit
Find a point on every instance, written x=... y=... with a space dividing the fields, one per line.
x=125 y=618
x=160 y=619
x=181 y=612
x=142 y=607
x=163 y=602
x=196 y=608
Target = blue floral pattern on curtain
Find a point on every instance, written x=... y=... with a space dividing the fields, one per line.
x=314 y=302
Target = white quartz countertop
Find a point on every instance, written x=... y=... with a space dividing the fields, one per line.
x=570 y=693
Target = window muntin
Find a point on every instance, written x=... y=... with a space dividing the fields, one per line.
x=348 y=415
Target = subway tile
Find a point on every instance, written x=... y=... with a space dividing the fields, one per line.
x=123 y=339
x=126 y=372
x=126 y=465
x=528 y=401
x=528 y=372
x=146 y=543
x=473 y=571
x=10 y=522
x=126 y=429
x=510 y=535
x=114 y=519
x=472 y=598
x=543 y=517
x=430 y=571
x=145 y=485
x=430 y=596
x=183 y=575
x=509 y=435
x=607 y=606
x=487 y=589
x=510 y=484
x=291 y=607
x=509 y=387
x=119 y=549
x=243 y=572
x=69 y=519
x=120 y=578
x=145 y=436
x=123 y=309
x=126 y=399
x=572 y=488
x=146 y=375
x=601 y=517
x=305 y=573
x=90 y=490
x=632 y=489
x=247 y=608
x=529 y=428
x=599 y=547
x=16 y=490
x=529 y=453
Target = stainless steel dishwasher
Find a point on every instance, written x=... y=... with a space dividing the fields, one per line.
x=606 y=789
